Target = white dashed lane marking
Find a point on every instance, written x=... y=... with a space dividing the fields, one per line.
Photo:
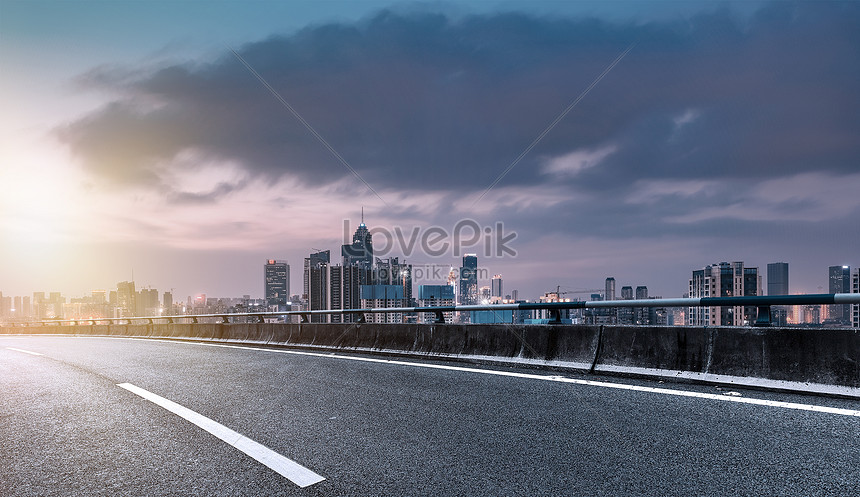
x=24 y=351
x=287 y=468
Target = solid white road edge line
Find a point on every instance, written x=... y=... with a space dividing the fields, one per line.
x=287 y=468
x=560 y=379
x=24 y=351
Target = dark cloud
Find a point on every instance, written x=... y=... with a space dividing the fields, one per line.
x=427 y=101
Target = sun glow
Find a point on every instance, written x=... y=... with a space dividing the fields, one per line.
x=40 y=201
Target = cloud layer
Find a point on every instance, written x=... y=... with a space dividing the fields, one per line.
x=422 y=99
x=714 y=126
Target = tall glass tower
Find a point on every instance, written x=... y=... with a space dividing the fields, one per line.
x=277 y=290
x=360 y=251
x=469 y=280
x=777 y=278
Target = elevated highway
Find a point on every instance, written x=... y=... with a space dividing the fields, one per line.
x=84 y=414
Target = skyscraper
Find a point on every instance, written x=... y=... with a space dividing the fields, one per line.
x=313 y=261
x=777 y=278
x=777 y=284
x=316 y=294
x=344 y=283
x=167 y=303
x=126 y=298
x=277 y=284
x=360 y=251
x=147 y=302
x=839 y=282
x=469 y=280
x=609 y=293
x=496 y=287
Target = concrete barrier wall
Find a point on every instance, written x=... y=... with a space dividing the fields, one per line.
x=826 y=356
x=675 y=348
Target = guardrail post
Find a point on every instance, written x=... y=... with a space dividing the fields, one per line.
x=261 y=319
x=554 y=316
x=763 y=316
x=361 y=318
x=225 y=319
x=194 y=319
x=440 y=317
x=305 y=318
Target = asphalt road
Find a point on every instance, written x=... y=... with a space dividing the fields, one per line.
x=393 y=427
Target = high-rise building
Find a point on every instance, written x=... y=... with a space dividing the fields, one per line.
x=777 y=284
x=99 y=297
x=277 y=284
x=608 y=316
x=381 y=296
x=391 y=271
x=469 y=280
x=626 y=315
x=147 y=302
x=332 y=286
x=435 y=296
x=641 y=314
x=336 y=291
x=167 y=303
x=6 y=306
x=609 y=293
x=126 y=299
x=496 y=287
x=344 y=284
x=723 y=280
x=18 y=310
x=360 y=251
x=777 y=278
x=316 y=293
x=839 y=282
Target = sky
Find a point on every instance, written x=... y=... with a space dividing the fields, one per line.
x=184 y=143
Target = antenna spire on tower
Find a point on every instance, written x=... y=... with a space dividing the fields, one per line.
x=362 y=214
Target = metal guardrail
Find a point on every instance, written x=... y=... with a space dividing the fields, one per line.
x=762 y=303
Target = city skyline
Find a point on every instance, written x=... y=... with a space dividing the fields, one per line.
x=135 y=142
x=389 y=283
x=432 y=270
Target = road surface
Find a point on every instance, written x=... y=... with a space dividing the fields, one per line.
x=118 y=416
